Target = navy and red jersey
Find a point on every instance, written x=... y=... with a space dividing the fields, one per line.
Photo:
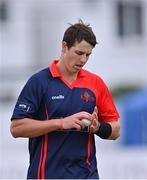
x=66 y=154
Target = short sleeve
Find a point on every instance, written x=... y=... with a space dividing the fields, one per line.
x=106 y=107
x=29 y=100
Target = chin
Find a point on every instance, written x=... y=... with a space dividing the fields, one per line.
x=76 y=70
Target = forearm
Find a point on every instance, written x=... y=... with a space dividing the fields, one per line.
x=110 y=130
x=115 y=130
x=33 y=128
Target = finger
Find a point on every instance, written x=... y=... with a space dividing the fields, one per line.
x=79 y=123
x=94 y=122
x=82 y=115
x=95 y=113
x=77 y=126
x=92 y=128
x=95 y=109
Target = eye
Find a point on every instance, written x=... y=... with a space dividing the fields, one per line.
x=87 y=55
x=79 y=52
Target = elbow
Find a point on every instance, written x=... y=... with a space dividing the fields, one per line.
x=13 y=131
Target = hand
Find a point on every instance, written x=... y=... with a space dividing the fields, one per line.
x=94 y=127
x=74 y=121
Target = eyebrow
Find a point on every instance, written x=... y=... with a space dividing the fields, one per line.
x=87 y=54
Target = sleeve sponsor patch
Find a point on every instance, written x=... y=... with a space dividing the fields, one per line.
x=23 y=106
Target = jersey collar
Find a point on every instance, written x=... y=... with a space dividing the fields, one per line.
x=55 y=72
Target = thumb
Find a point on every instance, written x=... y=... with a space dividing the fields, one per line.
x=95 y=112
x=96 y=109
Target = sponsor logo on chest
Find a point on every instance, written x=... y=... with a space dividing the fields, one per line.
x=57 y=97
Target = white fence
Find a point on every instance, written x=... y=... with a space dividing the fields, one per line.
x=114 y=160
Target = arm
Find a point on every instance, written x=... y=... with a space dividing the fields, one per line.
x=115 y=125
x=106 y=115
x=32 y=128
x=109 y=130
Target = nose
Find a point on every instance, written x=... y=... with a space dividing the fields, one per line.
x=84 y=58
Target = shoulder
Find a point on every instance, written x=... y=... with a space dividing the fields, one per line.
x=95 y=80
x=42 y=74
x=39 y=79
x=91 y=76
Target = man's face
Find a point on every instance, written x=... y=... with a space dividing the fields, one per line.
x=77 y=56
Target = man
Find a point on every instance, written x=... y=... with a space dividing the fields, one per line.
x=51 y=106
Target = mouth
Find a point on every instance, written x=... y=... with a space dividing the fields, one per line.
x=78 y=66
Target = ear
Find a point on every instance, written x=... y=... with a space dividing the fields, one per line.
x=64 y=46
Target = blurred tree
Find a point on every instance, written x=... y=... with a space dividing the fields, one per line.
x=3 y=11
x=121 y=90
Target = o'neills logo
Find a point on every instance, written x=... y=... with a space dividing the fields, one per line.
x=57 y=97
x=86 y=97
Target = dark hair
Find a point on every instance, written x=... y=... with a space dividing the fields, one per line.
x=79 y=32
